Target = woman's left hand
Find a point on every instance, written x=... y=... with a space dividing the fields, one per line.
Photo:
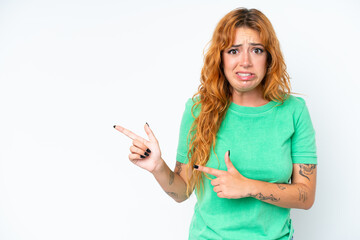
x=230 y=183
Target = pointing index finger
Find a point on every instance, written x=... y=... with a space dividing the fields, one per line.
x=129 y=133
x=211 y=171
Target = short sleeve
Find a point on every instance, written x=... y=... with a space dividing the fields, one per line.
x=303 y=145
x=186 y=122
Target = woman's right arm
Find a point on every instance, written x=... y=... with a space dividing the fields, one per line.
x=147 y=155
x=172 y=182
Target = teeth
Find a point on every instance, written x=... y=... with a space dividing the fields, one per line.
x=244 y=74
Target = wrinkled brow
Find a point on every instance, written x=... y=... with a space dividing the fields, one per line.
x=252 y=44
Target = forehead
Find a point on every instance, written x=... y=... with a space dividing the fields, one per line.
x=246 y=35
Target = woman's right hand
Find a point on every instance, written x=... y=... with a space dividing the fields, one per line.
x=145 y=154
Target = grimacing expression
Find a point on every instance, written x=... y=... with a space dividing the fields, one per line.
x=244 y=64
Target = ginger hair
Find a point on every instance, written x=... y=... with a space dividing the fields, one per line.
x=214 y=92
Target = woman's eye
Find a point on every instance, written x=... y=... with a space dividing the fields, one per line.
x=233 y=51
x=258 y=50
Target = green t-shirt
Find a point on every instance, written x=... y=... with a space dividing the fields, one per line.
x=264 y=141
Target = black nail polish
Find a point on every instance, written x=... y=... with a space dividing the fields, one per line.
x=148 y=150
x=229 y=152
x=196 y=166
x=146 y=154
x=142 y=156
x=147 y=124
x=114 y=126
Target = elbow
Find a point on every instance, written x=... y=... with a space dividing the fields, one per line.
x=309 y=204
x=180 y=200
x=307 y=207
x=182 y=197
x=307 y=197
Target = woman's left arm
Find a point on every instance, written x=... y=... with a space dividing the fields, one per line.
x=299 y=194
x=232 y=184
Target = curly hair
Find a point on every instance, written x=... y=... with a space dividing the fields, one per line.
x=214 y=93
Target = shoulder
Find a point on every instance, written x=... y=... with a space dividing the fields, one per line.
x=295 y=101
x=293 y=104
x=192 y=102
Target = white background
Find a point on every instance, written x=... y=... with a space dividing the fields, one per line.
x=71 y=69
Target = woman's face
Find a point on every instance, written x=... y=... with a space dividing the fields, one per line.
x=244 y=63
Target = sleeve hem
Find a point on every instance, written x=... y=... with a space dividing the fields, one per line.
x=304 y=159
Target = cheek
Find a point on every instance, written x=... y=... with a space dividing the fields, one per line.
x=228 y=64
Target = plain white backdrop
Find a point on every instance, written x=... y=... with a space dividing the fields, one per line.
x=71 y=69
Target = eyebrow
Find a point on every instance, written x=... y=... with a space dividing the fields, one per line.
x=252 y=44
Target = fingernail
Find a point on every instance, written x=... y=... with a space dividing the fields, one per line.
x=148 y=150
x=114 y=126
x=229 y=152
x=146 y=154
x=142 y=156
x=147 y=124
x=196 y=166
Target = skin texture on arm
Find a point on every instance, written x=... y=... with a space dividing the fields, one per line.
x=299 y=194
x=172 y=182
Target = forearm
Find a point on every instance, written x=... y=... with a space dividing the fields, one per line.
x=296 y=195
x=171 y=182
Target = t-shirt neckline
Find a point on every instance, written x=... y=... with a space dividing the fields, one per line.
x=251 y=110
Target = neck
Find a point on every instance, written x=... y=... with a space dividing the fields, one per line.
x=249 y=99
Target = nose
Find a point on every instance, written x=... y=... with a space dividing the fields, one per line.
x=245 y=60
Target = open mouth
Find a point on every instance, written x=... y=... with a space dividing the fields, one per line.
x=245 y=76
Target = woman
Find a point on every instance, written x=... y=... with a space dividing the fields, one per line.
x=243 y=106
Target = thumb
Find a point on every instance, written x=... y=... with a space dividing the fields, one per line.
x=150 y=134
x=228 y=162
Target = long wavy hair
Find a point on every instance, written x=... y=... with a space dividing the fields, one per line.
x=214 y=93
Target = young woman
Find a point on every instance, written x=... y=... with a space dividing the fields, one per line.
x=244 y=107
